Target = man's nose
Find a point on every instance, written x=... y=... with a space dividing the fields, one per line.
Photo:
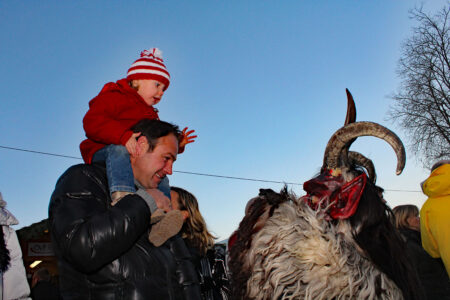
x=168 y=168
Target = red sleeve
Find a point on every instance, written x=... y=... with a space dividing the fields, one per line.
x=101 y=122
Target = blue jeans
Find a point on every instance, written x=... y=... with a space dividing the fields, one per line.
x=119 y=171
x=118 y=168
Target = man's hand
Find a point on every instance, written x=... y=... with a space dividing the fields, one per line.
x=161 y=200
x=187 y=137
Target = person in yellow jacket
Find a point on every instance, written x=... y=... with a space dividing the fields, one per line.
x=435 y=213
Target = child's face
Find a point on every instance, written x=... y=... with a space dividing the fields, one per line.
x=150 y=90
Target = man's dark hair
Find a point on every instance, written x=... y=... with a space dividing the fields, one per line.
x=154 y=129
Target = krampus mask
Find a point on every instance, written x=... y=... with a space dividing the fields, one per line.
x=339 y=186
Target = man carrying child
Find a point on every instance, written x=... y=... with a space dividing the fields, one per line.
x=102 y=249
x=108 y=122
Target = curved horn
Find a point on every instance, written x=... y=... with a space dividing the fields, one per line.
x=356 y=158
x=341 y=139
x=351 y=109
x=349 y=118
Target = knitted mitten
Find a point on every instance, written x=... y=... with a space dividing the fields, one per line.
x=169 y=225
x=157 y=216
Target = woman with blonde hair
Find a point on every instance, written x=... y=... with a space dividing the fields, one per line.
x=407 y=217
x=431 y=271
x=208 y=258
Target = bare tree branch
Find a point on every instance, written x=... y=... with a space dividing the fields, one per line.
x=422 y=102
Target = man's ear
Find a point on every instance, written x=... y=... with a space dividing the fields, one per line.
x=142 y=145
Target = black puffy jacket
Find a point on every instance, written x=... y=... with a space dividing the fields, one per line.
x=103 y=251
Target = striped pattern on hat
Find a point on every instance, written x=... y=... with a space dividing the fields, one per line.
x=150 y=66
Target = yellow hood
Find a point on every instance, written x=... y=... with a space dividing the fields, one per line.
x=438 y=184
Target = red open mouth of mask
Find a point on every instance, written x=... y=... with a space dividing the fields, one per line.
x=339 y=198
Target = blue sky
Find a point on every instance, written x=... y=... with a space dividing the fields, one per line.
x=262 y=83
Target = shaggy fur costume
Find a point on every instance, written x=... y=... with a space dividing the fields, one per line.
x=300 y=255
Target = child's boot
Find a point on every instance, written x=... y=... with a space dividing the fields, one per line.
x=116 y=196
x=166 y=228
x=157 y=216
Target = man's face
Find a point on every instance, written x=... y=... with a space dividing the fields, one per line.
x=149 y=168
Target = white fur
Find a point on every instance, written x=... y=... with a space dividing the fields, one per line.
x=300 y=255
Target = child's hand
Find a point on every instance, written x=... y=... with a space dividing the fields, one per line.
x=187 y=137
x=132 y=145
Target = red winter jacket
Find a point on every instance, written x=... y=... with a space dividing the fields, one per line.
x=111 y=115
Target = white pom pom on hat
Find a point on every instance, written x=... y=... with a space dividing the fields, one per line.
x=150 y=66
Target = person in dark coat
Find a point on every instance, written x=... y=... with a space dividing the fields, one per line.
x=42 y=287
x=431 y=270
x=208 y=258
x=102 y=249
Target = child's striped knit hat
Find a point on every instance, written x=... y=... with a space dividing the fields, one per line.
x=150 y=66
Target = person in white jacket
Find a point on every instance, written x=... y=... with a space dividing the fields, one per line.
x=13 y=283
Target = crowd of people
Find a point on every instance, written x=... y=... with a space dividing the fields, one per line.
x=120 y=231
x=431 y=271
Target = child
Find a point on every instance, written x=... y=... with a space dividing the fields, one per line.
x=114 y=111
